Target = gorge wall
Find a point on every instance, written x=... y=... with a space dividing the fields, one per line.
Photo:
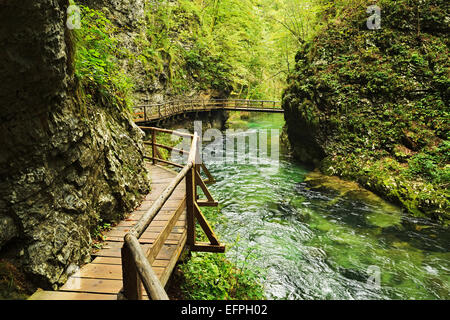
x=373 y=105
x=154 y=40
x=68 y=160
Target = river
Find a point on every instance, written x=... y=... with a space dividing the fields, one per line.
x=319 y=242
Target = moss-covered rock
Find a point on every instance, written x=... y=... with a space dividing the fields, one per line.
x=373 y=105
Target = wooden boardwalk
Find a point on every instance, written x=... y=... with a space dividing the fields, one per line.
x=102 y=278
x=147 y=114
x=142 y=251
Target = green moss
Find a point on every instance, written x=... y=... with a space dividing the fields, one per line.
x=372 y=106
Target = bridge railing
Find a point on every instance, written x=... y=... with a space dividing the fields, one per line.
x=136 y=264
x=145 y=113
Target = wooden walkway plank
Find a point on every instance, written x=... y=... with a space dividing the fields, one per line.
x=61 y=295
x=102 y=278
x=95 y=285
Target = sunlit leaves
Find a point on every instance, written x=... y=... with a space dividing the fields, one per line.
x=96 y=57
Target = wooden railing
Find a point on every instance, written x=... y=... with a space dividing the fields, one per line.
x=151 y=112
x=136 y=264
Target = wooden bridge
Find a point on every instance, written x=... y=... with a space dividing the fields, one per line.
x=146 y=114
x=141 y=252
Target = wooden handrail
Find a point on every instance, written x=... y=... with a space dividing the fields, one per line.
x=164 y=161
x=136 y=264
x=150 y=214
x=213 y=101
x=169 y=108
x=168 y=148
x=177 y=133
x=150 y=280
x=194 y=150
x=148 y=217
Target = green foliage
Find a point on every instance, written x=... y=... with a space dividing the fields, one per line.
x=242 y=48
x=100 y=228
x=433 y=165
x=209 y=276
x=226 y=47
x=375 y=102
x=97 y=58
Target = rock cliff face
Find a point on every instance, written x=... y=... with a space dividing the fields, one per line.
x=66 y=162
x=141 y=30
x=127 y=13
x=372 y=105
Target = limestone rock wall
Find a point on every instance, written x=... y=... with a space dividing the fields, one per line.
x=65 y=163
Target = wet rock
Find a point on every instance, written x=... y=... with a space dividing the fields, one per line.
x=378 y=212
x=129 y=13
x=353 y=274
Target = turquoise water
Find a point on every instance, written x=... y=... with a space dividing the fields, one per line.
x=313 y=241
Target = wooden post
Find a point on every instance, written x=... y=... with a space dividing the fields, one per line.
x=206 y=227
x=196 y=173
x=190 y=207
x=198 y=162
x=131 y=282
x=150 y=280
x=145 y=113
x=190 y=192
x=154 y=146
x=208 y=174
